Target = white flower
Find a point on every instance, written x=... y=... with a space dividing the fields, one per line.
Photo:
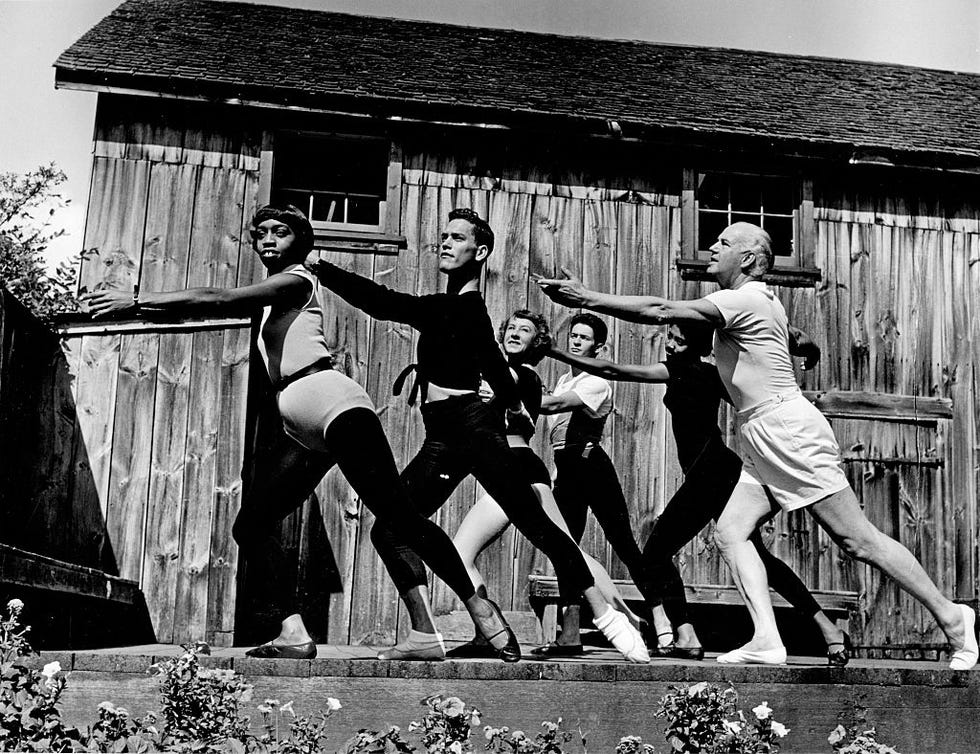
x=107 y=706
x=837 y=735
x=456 y=747
x=15 y=605
x=333 y=704
x=287 y=707
x=265 y=709
x=779 y=729
x=732 y=727
x=697 y=688
x=762 y=712
x=50 y=670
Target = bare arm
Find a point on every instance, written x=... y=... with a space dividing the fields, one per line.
x=559 y=404
x=569 y=291
x=279 y=288
x=613 y=371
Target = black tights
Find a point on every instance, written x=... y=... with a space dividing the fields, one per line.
x=707 y=486
x=462 y=437
x=587 y=479
x=287 y=474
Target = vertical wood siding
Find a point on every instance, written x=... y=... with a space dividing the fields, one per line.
x=161 y=415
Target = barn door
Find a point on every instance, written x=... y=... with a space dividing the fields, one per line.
x=899 y=472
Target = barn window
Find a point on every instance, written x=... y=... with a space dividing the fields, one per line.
x=348 y=186
x=781 y=204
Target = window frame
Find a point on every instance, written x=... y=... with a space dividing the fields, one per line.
x=796 y=270
x=383 y=238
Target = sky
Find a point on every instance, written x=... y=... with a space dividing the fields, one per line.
x=39 y=124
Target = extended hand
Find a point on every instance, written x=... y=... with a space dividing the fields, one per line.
x=312 y=261
x=568 y=290
x=108 y=301
x=485 y=392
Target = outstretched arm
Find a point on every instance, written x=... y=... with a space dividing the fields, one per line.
x=372 y=298
x=613 y=371
x=280 y=288
x=569 y=291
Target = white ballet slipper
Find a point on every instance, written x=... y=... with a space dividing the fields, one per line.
x=417 y=646
x=627 y=640
x=966 y=657
x=775 y=656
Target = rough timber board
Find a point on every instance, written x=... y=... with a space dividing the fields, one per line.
x=602 y=696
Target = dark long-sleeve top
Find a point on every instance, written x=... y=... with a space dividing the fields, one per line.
x=456 y=339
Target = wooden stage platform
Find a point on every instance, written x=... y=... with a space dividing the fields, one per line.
x=917 y=706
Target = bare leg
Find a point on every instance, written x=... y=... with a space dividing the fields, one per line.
x=747 y=508
x=483 y=524
x=842 y=518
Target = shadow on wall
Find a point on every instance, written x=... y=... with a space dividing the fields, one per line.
x=49 y=505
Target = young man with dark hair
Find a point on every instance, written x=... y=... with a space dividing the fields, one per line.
x=456 y=347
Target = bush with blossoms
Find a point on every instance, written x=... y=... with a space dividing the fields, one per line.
x=705 y=718
x=205 y=709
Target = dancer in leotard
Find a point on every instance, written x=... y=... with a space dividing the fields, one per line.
x=462 y=435
x=327 y=417
x=524 y=337
x=711 y=471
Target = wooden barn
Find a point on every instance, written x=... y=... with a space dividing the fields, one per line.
x=619 y=160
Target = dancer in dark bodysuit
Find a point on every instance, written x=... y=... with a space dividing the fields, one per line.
x=327 y=417
x=711 y=470
x=462 y=435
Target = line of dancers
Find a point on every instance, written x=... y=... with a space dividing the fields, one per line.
x=480 y=399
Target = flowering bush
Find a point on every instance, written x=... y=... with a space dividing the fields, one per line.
x=844 y=741
x=29 y=716
x=446 y=727
x=633 y=745
x=548 y=741
x=706 y=718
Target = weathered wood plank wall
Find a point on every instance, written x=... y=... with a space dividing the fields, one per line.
x=895 y=314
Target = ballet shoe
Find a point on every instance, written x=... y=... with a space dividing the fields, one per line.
x=838 y=658
x=511 y=651
x=620 y=632
x=475 y=648
x=966 y=657
x=270 y=651
x=558 y=650
x=775 y=656
x=674 y=652
x=417 y=646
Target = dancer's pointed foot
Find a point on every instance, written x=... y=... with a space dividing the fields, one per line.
x=272 y=651
x=497 y=632
x=772 y=656
x=626 y=639
x=416 y=646
x=839 y=652
x=966 y=656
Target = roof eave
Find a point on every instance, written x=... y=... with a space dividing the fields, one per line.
x=455 y=114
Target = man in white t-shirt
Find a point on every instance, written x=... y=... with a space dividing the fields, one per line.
x=791 y=458
x=585 y=478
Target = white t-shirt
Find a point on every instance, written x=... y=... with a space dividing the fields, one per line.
x=584 y=424
x=752 y=348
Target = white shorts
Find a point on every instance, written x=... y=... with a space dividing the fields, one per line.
x=789 y=448
x=309 y=405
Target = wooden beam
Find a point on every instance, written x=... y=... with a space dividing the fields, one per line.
x=546 y=588
x=906 y=409
x=73 y=329
x=22 y=568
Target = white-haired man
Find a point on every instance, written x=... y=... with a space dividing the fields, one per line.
x=791 y=458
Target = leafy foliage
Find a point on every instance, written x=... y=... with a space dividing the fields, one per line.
x=24 y=239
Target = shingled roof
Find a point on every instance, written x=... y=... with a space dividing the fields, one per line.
x=285 y=56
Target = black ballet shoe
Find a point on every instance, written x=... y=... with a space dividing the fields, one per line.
x=558 y=650
x=270 y=651
x=511 y=651
x=475 y=648
x=838 y=658
x=679 y=653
